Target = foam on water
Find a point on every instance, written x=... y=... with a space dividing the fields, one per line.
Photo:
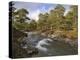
x=43 y=42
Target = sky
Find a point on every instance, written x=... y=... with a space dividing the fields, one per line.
x=35 y=9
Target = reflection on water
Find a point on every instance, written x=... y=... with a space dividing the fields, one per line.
x=47 y=46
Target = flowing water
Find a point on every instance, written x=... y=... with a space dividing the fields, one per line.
x=47 y=46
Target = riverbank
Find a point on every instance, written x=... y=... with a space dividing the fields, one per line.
x=59 y=36
x=67 y=36
x=69 y=47
x=58 y=46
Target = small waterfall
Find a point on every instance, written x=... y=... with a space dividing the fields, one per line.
x=44 y=42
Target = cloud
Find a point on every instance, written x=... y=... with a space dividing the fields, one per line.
x=36 y=8
x=65 y=13
x=34 y=15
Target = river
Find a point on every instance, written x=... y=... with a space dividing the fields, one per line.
x=47 y=46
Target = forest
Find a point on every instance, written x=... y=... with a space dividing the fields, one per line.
x=49 y=23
